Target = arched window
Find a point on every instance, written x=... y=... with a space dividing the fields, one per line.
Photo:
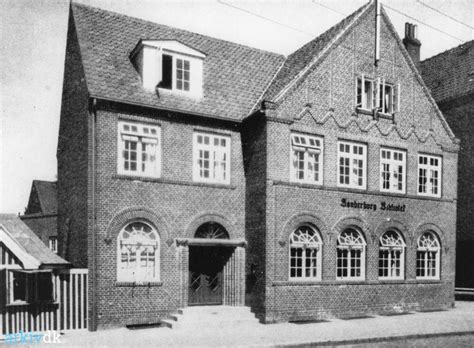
x=211 y=230
x=350 y=255
x=305 y=254
x=391 y=255
x=138 y=253
x=428 y=256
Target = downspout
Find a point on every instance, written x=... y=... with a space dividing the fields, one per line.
x=93 y=263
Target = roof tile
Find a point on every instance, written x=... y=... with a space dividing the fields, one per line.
x=235 y=76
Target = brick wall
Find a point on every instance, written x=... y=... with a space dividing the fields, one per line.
x=73 y=157
x=173 y=204
x=323 y=104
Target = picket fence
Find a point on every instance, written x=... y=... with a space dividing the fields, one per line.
x=67 y=312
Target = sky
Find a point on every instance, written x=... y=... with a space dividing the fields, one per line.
x=33 y=40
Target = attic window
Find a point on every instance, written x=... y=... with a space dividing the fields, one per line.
x=167 y=72
x=169 y=65
x=377 y=96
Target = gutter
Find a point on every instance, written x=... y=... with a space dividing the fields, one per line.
x=93 y=262
x=124 y=101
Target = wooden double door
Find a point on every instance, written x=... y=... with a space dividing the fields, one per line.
x=206 y=266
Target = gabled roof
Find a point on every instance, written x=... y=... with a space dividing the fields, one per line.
x=450 y=74
x=235 y=76
x=43 y=198
x=26 y=245
x=299 y=60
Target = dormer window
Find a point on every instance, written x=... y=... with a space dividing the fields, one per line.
x=169 y=65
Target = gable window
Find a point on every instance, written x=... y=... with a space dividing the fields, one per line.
x=391 y=256
x=429 y=175
x=29 y=286
x=428 y=256
x=307 y=158
x=377 y=94
x=392 y=170
x=211 y=158
x=138 y=249
x=305 y=254
x=350 y=255
x=53 y=244
x=139 y=149
x=388 y=97
x=352 y=158
x=365 y=93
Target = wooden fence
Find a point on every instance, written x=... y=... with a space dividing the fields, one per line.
x=67 y=312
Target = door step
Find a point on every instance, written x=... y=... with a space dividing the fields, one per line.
x=210 y=317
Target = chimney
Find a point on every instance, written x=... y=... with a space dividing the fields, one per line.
x=412 y=44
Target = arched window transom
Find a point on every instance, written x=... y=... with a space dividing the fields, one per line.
x=391 y=255
x=211 y=230
x=428 y=257
x=305 y=254
x=350 y=255
x=138 y=253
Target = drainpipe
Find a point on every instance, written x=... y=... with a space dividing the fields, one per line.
x=93 y=263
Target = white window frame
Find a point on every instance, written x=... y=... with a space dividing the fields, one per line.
x=390 y=244
x=351 y=156
x=365 y=100
x=308 y=239
x=429 y=170
x=138 y=274
x=351 y=245
x=216 y=154
x=393 y=163
x=183 y=70
x=142 y=134
x=53 y=244
x=393 y=98
x=426 y=246
x=309 y=147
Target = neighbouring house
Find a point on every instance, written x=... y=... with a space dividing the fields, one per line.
x=35 y=283
x=41 y=214
x=194 y=171
x=450 y=78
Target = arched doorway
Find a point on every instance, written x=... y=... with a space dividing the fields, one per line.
x=206 y=265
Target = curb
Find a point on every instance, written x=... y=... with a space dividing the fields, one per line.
x=376 y=339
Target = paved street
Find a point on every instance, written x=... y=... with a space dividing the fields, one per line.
x=450 y=328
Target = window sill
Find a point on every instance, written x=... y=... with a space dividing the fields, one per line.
x=306 y=183
x=138 y=284
x=386 y=116
x=360 y=110
x=24 y=304
x=172 y=182
x=428 y=280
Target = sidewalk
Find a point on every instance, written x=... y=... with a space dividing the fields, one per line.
x=459 y=320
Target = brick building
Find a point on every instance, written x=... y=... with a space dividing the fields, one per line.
x=450 y=78
x=41 y=214
x=196 y=171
